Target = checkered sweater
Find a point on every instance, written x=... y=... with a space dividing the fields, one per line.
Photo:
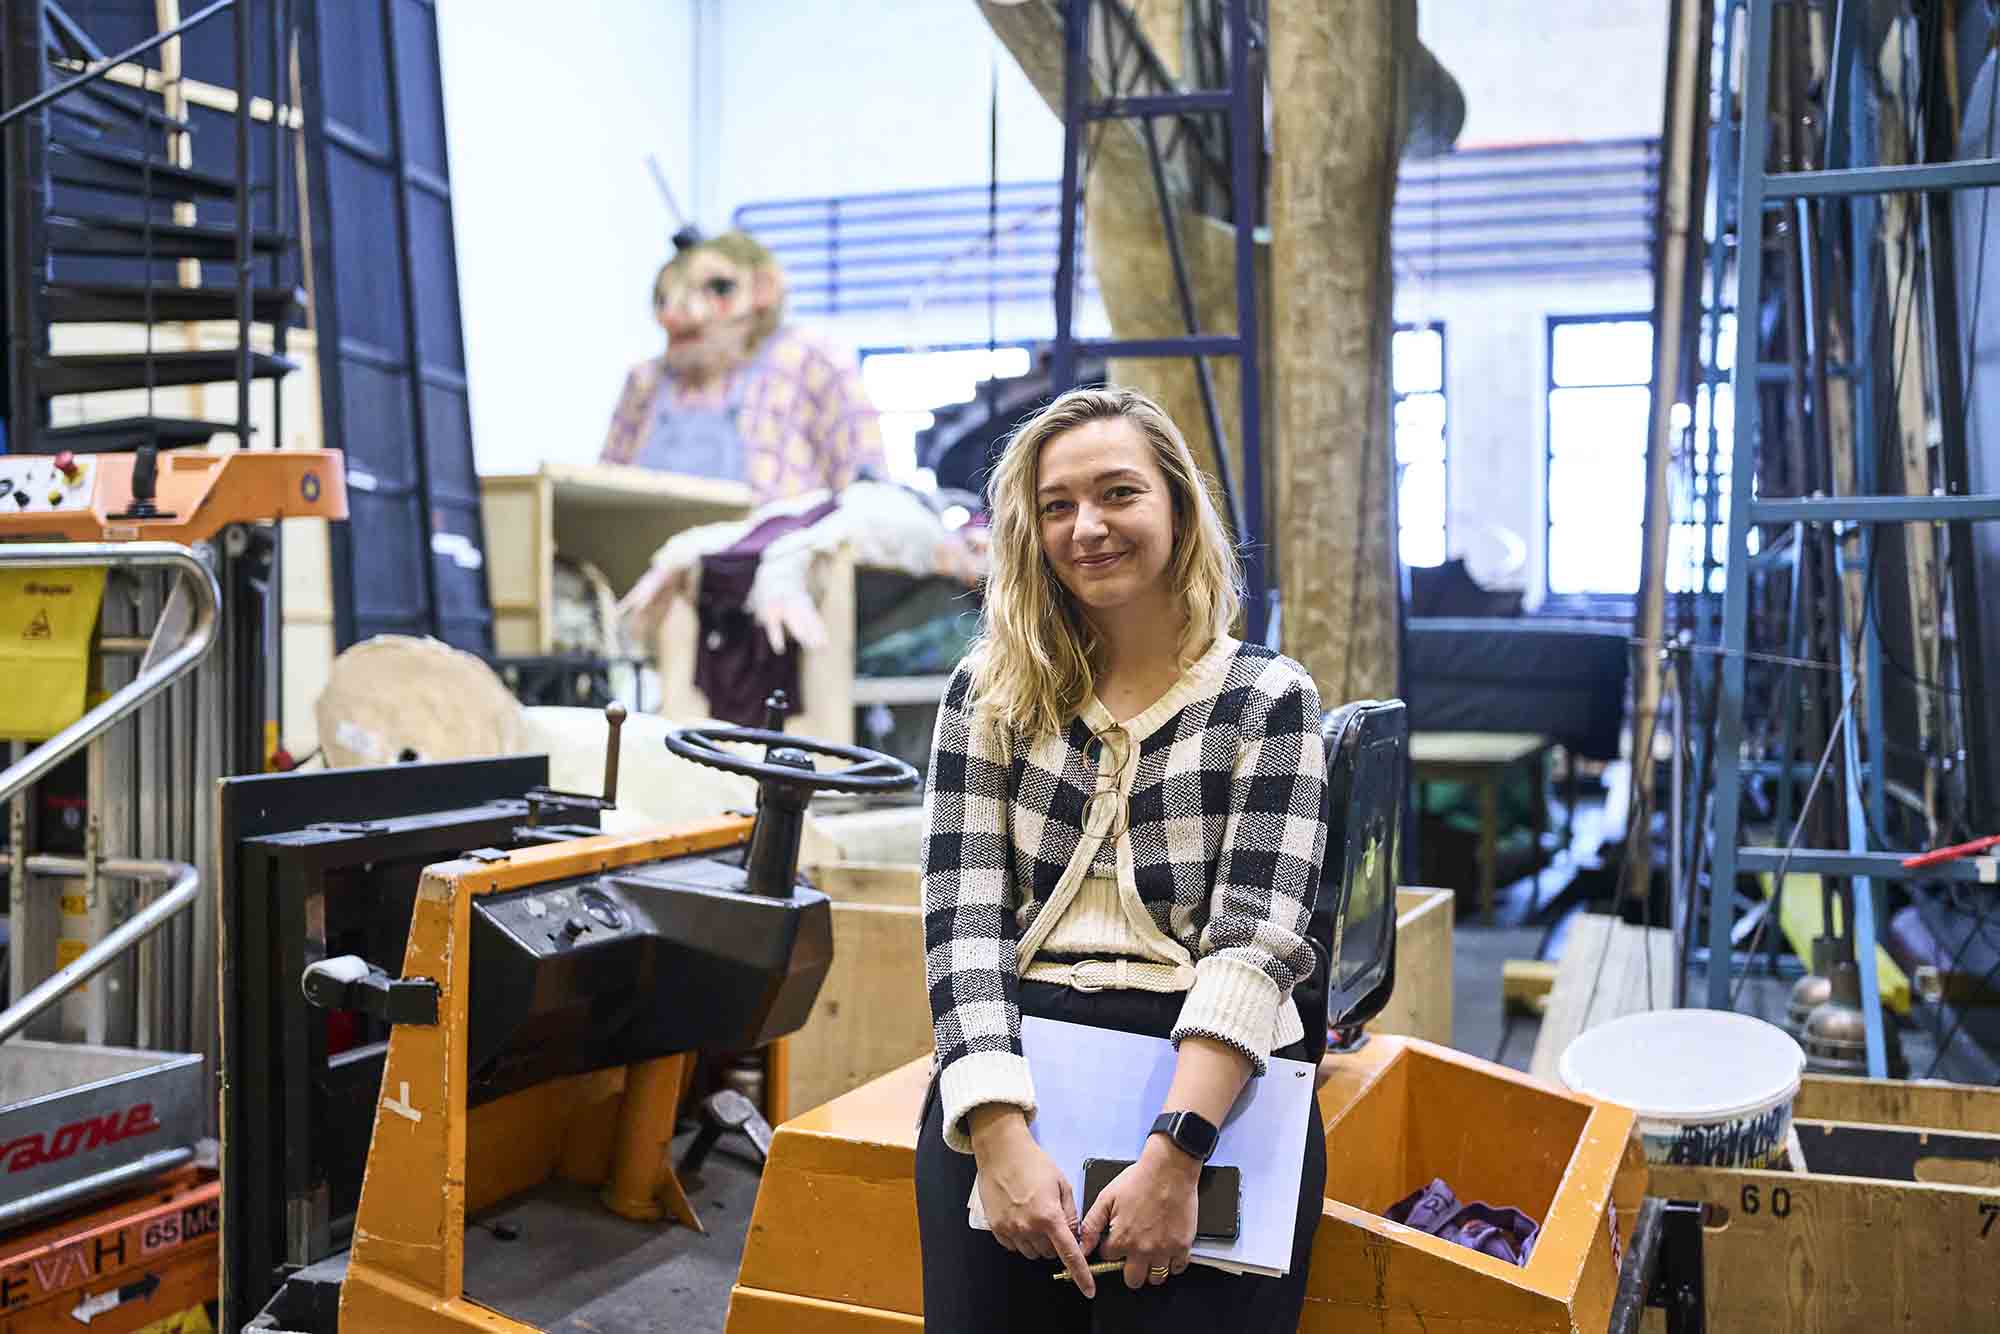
x=1218 y=864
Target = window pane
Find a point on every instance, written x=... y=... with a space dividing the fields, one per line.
x=1422 y=546
x=1420 y=496
x=1591 y=556
x=1602 y=352
x=1725 y=343
x=1420 y=429
x=905 y=386
x=1590 y=487
x=1416 y=359
x=1594 y=421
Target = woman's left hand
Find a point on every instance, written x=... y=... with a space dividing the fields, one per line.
x=1147 y=1214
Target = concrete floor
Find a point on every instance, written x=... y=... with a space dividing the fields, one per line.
x=574 y=1267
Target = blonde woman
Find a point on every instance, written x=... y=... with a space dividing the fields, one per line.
x=1122 y=828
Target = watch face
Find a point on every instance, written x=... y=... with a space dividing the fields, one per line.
x=1197 y=1134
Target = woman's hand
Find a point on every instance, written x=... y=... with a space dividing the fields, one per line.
x=1147 y=1214
x=1028 y=1201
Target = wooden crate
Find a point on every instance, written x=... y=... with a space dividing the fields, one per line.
x=610 y=516
x=873 y=1012
x=1914 y=1244
x=833 y=1242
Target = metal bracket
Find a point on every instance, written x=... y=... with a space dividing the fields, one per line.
x=349 y=982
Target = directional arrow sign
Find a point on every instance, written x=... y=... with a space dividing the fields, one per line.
x=92 y=1307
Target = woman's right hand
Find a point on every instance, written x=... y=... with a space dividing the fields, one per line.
x=1027 y=1200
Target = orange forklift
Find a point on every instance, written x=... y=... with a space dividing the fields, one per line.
x=445 y=989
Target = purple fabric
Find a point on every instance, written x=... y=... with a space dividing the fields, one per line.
x=734 y=663
x=1503 y=1233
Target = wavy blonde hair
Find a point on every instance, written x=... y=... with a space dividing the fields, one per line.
x=1032 y=664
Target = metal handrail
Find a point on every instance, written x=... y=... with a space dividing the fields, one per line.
x=153 y=677
x=109 y=63
x=187 y=884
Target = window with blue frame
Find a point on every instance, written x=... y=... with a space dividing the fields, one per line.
x=1416 y=365
x=1599 y=398
x=908 y=385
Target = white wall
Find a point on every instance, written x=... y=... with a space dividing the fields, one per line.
x=1533 y=71
x=891 y=95
x=551 y=113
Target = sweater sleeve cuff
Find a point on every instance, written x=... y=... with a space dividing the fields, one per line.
x=1231 y=1002
x=976 y=1079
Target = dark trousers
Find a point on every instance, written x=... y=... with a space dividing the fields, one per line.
x=973 y=1285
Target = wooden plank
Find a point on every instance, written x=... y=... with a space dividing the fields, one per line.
x=1817 y=1254
x=1608 y=969
x=873 y=1011
x=1525 y=984
x=510 y=509
x=1899 y=1102
x=1421 y=1004
x=886 y=834
x=878 y=883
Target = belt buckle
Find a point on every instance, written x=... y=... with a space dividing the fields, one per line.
x=1078 y=979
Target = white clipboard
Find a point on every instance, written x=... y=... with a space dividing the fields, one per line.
x=1097 y=1092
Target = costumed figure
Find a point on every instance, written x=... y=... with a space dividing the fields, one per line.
x=739 y=394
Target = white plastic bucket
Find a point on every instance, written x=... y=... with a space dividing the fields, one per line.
x=1711 y=1088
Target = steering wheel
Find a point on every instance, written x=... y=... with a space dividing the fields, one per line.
x=787 y=760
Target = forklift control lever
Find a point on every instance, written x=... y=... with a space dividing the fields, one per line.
x=349 y=982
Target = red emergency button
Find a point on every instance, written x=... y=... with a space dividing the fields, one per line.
x=66 y=465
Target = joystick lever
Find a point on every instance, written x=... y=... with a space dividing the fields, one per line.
x=145 y=485
x=614 y=722
x=541 y=798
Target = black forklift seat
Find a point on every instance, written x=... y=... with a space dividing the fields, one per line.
x=1353 y=923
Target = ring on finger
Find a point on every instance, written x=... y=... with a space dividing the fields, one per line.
x=1157 y=1274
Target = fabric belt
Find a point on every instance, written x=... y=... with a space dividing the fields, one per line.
x=1113 y=975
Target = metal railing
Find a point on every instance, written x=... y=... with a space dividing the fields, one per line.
x=1521 y=212
x=159 y=669
x=186 y=887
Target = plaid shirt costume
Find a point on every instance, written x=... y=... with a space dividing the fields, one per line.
x=806 y=421
x=1212 y=798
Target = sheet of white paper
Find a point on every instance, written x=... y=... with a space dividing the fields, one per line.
x=1097 y=1091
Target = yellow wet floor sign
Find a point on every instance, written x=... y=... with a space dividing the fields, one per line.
x=48 y=622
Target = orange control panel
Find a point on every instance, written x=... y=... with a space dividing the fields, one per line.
x=184 y=496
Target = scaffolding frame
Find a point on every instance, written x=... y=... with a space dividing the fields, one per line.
x=1241 y=102
x=1758 y=190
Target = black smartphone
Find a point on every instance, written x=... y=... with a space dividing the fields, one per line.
x=1218 y=1204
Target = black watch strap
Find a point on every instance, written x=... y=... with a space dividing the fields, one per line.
x=1189 y=1132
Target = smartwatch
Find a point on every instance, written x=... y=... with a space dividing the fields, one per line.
x=1192 y=1134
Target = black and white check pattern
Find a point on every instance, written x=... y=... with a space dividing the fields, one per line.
x=1226 y=832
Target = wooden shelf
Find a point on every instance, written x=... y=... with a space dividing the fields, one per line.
x=611 y=516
